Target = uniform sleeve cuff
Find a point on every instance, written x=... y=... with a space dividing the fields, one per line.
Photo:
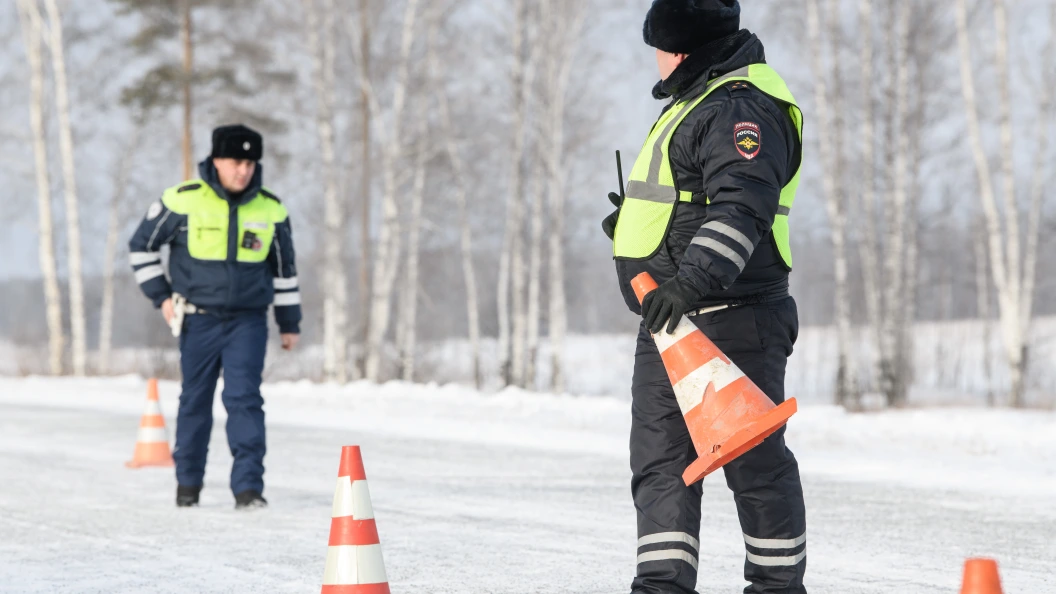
x=290 y=328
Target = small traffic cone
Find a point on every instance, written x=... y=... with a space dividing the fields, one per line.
x=152 y=442
x=726 y=413
x=980 y=577
x=353 y=561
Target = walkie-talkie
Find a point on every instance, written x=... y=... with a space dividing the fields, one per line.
x=619 y=171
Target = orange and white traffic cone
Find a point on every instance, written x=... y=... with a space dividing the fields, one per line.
x=981 y=577
x=726 y=413
x=152 y=442
x=353 y=561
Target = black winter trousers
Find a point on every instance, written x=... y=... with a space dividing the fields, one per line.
x=765 y=480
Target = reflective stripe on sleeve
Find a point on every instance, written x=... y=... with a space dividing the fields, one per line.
x=150 y=272
x=286 y=299
x=141 y=258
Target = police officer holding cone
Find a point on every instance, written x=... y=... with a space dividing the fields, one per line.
x=231 y=257
x=706 y=214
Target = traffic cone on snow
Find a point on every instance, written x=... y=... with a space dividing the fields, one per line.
x=353 y=561
x=726 y=413
x=152 y=442
x=980 y=577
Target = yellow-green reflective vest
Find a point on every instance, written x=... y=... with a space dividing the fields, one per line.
x=209 y=219
x=649 y=206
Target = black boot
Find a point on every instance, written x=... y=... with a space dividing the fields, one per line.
x=187 y=496
x=250 y=500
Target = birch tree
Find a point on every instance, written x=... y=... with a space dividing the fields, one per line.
x=834 y=206
x=510 y=243
x=69 y=186
x=1012 y=278
x=32 y=34
x=406 y=327
x=333 y=283
x=868 y=245
x=564 y=22
x=366 y=115
x=387 y=255
x=469 y=275
x=892 y=378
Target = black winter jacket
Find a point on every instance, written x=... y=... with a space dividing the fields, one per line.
x=744 y=193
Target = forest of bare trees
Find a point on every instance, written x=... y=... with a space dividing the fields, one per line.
x=445 y=163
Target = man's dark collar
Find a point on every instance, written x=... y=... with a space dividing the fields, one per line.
x=714 y=59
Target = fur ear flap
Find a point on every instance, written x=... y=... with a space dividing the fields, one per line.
x=681 y=26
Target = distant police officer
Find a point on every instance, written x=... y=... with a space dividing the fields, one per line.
x=706 y=214
x=231 y=256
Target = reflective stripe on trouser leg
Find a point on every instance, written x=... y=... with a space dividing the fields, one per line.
x=668 y=511
x=765 y=480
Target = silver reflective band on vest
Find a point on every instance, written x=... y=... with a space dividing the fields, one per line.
x=668 y=555
x=651 y=192
x=669 y=537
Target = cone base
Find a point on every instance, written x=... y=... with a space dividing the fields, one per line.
x=742 y=441
x=161 y=464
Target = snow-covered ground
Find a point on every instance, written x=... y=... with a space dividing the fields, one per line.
x=508 y=493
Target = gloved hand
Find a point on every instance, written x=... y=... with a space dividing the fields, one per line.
x=668 y=303
x=609 y=223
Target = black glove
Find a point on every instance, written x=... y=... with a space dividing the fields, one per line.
x=668 y=303
x=609 y=223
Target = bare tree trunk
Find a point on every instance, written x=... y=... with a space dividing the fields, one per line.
x=513 y=198
x=388 y=252
x=117 y=200
x=32 y=34
x=1008 y=299
x=406 y=329
x=868 y=245
x=465 y=231
x=335 y=297
x=188 y=80
x=69 y=184
x=892 y=380
x=1016 y=331
x=534 y=278
x=834 y=203
x=365 y=193
x=1037 y=190
x=982 y=305
x=566 y=21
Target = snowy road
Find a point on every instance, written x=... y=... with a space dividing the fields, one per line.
x=461 y=510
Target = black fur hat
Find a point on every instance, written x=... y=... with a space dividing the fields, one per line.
x=237 y=142
x=681 y=26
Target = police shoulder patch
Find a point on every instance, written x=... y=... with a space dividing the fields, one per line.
x=154 y=211
x=748 y=139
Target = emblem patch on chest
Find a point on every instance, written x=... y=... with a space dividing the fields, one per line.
x=748 y=139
